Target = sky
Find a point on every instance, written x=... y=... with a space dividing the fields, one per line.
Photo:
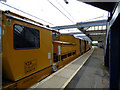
x=56 y=12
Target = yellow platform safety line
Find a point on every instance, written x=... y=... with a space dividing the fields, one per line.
x=66 y=83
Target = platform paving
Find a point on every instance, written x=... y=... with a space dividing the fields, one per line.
x=62 y=77
x=93 y=74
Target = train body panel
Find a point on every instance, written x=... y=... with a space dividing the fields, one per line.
x=88 y=45
x=82 y=46
x=77 y=47
x=30 y=51
x=65 y=49
x=63 y=52
x=69 y=49
x=21 y=60
x=67 y=38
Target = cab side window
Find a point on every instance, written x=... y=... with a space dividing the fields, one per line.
x=25 y=37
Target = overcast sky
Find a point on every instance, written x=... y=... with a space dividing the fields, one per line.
x=47 y=10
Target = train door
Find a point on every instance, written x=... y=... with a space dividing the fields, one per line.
x=80 y=47
x=85 y=45
x=56 y=51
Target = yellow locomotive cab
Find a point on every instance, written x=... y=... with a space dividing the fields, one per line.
x=27 y=48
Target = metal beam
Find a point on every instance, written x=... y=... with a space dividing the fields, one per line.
x=73 y=33
x=101 y=38
x=87 y=32
x=84 y=37
x=106 y=53
x=115 y=15
x=92 y=23
x=97 y=35
x=82 y=24
x=81 y=36
x=92 y=36
x=95 y=31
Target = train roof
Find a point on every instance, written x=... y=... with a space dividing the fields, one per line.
x=65 y=43
x=25 y=19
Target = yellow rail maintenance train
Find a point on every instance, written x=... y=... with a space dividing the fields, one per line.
x=31 y=51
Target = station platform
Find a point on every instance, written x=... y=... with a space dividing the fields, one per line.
x=84 y=72
x=93 y=74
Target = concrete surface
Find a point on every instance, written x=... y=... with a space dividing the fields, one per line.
x=62 y=77
x=93 y=74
